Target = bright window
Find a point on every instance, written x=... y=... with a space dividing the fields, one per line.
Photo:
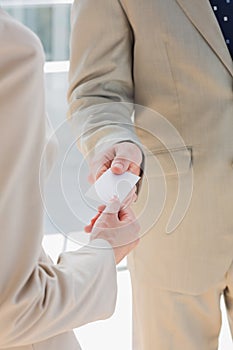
x=50 y=20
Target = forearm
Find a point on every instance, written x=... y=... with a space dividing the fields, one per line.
x=80 y=289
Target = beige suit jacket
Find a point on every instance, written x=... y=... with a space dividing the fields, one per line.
x=40 y=302
x=169 y=56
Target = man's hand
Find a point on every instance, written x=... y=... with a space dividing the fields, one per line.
x=121 y=157
x=119 y=228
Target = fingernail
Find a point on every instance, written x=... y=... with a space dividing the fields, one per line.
x=118 y=165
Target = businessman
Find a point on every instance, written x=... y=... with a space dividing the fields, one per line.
x=41 y=302
x=173 y=57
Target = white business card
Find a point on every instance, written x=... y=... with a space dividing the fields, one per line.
x=110 y=185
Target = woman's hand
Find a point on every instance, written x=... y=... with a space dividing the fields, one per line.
x=119 y=227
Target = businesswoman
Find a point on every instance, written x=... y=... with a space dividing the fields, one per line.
x=41 y=302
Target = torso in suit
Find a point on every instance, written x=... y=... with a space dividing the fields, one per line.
x=40 y=302
x=169 y=56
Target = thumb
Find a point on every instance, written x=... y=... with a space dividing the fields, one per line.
x=120 y=165
x=113 y=207
x=109 y=216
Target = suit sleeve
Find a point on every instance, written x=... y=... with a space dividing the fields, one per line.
x=38 y=299
x=101 y=92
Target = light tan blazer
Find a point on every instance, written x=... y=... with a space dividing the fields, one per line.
x=40 y=302
x=169 y=56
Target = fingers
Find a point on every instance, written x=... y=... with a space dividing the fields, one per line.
x=126 y=215
x=95 y=174
x=102 y=170
x=129 y=200
x=100 y=163
x=135 y=196
x=107 y=216
x=120 y=165
x=123 y=214
x=128 y=156
x=134 y=168
x=132 y=196
x=101 y=208
x=89 y=227
x=115 y=208
x=121 y=157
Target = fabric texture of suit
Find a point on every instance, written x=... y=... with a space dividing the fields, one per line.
x=169 y=56
x=40 y=302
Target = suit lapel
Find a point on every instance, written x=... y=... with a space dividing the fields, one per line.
x=201 y=15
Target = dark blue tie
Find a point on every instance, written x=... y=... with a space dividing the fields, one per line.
x=223 y=10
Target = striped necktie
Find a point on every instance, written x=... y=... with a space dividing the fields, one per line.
x=223 y=10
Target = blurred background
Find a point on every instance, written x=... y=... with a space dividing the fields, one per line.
x=50 y=20
x=66 y=211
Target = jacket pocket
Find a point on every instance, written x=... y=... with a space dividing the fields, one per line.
x=169 y=162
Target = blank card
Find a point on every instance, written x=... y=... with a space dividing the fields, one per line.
x=110 y=185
